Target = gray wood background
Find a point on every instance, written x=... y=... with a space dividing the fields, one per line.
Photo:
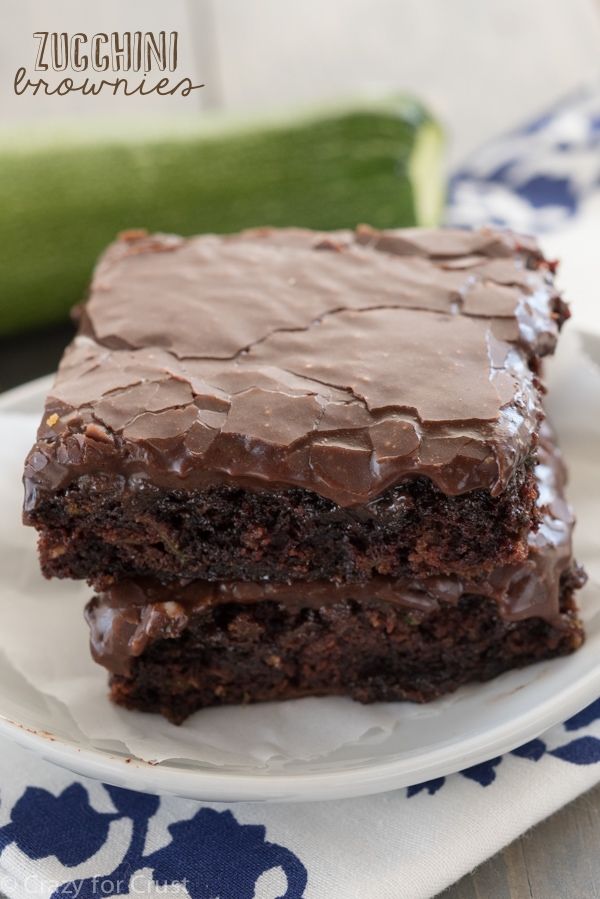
x=558 y=859
x=482 y=65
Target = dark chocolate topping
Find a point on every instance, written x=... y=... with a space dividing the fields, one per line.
x=338 y=362
x=127 y=618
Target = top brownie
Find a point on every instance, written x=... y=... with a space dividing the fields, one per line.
x=340 y=365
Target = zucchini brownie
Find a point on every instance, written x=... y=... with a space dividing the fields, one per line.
x=272 y=453
x=176 y=648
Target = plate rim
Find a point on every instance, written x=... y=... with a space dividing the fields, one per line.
x=356 y=780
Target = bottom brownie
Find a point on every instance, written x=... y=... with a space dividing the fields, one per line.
x=369 y=650
x=179 y=647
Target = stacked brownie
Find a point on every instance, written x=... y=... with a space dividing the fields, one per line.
x=293 y=463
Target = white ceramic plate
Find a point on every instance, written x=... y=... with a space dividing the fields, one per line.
x=301 y=750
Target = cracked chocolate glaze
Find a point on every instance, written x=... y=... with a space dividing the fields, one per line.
x=126 y=619
x=340 y=363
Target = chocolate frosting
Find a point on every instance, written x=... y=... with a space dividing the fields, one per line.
x=126 y=619
x=337 y=362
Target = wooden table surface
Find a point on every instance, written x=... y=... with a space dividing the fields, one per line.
x=558 y=859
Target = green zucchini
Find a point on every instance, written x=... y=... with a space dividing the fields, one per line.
x=63 y=199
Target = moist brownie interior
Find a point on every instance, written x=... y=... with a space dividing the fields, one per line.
x=104 y=530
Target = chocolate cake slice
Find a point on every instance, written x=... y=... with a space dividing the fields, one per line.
x=177 y=648
x=289 y=405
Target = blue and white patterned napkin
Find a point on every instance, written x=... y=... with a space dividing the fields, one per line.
x=65 y=836
x=536 y=178
x=62 y=835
